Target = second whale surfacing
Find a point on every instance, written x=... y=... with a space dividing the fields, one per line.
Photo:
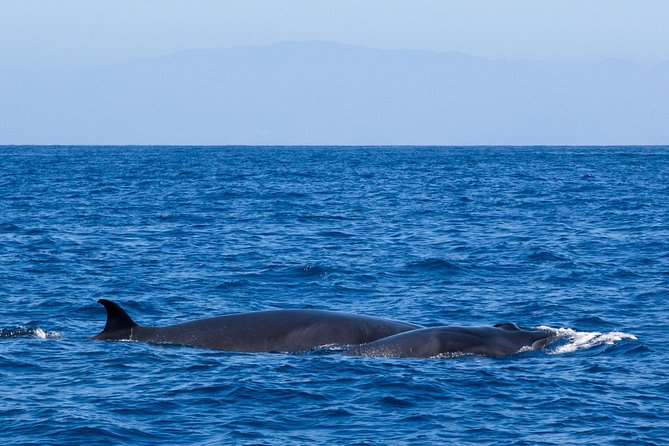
x=500 y=340
x=263 y=331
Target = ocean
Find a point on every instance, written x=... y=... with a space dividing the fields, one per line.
x=571 y=238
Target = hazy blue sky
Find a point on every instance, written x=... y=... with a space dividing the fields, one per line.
x=87 y=72
x=89 y=32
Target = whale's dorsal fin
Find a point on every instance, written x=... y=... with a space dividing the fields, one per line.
x=119 y=325
x=506 y=326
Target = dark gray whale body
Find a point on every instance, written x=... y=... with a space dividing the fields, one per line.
x=500 y=340
x=264 y=331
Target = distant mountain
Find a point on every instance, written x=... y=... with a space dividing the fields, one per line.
x=328 y=93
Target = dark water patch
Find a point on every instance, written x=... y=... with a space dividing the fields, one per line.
x=228 y=284
x=652 y=296
x=571 y=278
x=541 y=255
x=435 y=266
x=624 y=273
x=105 y=190
x=639 y=349
x=394 y=403
x=307 y=271
x=336 y=234
x=9 y=228
x=322 y=219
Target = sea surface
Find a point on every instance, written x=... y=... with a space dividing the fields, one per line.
x=572 y=238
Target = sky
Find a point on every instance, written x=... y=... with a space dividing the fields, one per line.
x=37 y=33
x=334 y=72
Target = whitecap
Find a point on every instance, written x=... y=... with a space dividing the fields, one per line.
x=43 y=334
x=568 y=340
x=16 y=332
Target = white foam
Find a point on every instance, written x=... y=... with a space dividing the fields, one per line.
x=527 y=348
x=16 y=332
x=451 y=355
x=45 y=334
x=569 y=340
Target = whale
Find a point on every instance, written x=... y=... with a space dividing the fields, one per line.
x=502 y=339
x=263 y=331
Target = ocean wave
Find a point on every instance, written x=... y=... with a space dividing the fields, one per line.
x=546 y=255
x=568 y=340
x=20 y=331
x=434 y=265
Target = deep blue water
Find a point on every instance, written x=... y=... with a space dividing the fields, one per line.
x=576 y=239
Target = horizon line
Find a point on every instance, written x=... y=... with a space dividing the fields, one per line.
x=288 y=146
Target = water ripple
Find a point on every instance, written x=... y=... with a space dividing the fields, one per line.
x=569 y=237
